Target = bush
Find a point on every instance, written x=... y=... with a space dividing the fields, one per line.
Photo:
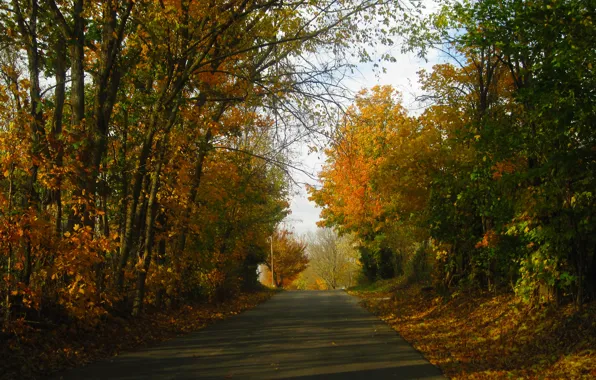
x=420 y=266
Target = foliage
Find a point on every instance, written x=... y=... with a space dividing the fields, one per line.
x=142 y=161
x=308 y=280
x=496 y=174
x=57 y=348
x=333 y=259
x=374 y=180
x=289 y=258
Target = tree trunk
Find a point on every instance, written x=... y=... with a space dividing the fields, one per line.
x=193 y=191
x=160 y=258
x=7 y=305
x=77 y=103
x=148 y=238
x=134 y=202
x=593 y=274
x=57 y=147
x=127 y=239
x=28 y=30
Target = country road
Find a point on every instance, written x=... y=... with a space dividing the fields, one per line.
x=299 y=335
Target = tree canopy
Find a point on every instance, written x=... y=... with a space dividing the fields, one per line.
x=144 y=144
x=493 y=183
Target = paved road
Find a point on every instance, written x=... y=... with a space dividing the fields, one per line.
x=298 y=335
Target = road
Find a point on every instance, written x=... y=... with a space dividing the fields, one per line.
x=297 y=335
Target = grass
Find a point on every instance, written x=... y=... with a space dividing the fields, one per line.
x=380 y=286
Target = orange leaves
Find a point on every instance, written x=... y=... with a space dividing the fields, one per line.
x=289 y=256
x=374 y=173
x=490 y=239
x=74 y=273
x=210 y=78
x=61 y=347
x=499 y=168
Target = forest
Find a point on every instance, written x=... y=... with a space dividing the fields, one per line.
x=146 y=151
x=474 y=217
x=144 y=144
x=492 y=184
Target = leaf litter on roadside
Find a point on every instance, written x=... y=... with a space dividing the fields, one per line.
x=66 y=346
x=488 y=336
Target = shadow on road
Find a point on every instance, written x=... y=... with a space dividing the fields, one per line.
x=297 y=335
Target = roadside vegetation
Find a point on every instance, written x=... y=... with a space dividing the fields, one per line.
x=146 y=159
x=59 y=347
x=146 y=150
x=482 y=205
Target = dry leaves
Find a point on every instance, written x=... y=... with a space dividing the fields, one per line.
x=487 y=336
x=37 y=352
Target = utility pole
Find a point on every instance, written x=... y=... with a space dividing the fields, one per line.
x=273 y=142
x=272 y=276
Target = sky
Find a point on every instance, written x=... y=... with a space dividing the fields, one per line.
x=402 y=75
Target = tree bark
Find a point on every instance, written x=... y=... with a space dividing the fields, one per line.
x=134 y=202
x=148 y=237
x=28 y=30
x=126 y=241
x=193 y=191
x=56 y=142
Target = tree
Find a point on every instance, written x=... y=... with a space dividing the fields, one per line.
x=143 y=156
x=522 y=179
x=332 y=258
x=498 y=169
x=376 y=180
x=288 y=256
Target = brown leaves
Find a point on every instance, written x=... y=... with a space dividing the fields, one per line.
x=472 y=336
x=58 y=347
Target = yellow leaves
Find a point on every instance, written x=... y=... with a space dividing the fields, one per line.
x=370 y=170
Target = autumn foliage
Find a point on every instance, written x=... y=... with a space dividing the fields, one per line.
x=144 y=150
x=287 y=258
x=144 y=146
x=491 y=186
x=484 y=199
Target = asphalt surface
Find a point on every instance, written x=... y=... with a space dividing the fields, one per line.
x=297 y=335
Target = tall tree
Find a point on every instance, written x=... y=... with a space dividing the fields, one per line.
x=334 y=259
